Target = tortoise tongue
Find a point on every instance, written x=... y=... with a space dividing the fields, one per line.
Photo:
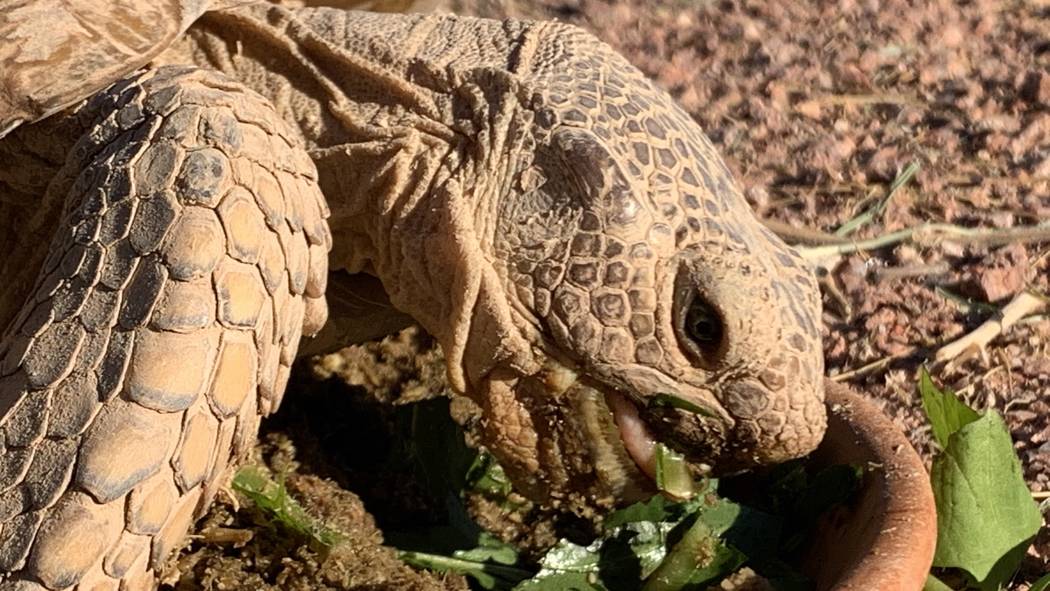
x=637 y=440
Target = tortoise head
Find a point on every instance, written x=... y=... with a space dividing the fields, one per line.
x=656 y=306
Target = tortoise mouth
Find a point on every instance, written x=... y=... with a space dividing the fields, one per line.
x=620 y=445
x=616 y=469
x=621 y=442
x=637 y=440
x=574 y=437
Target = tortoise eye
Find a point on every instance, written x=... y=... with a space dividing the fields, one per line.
x=703 y=326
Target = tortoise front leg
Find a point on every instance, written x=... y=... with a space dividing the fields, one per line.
x=191 y=257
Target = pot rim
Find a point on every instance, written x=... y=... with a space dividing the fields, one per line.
x=886 y=538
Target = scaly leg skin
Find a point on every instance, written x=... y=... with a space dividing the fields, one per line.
x=191 y=256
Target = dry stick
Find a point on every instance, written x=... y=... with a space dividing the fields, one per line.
x=874 y=366
x=929 y=232
x=1023 y=304
x=893 y=273
x=225 y=535
x=802 y=234
x=827 y=283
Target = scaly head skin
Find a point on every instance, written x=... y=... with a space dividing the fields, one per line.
x=635 y=268
x=566 y=232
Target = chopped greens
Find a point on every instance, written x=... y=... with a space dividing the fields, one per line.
x=281 y=510
x=691 y=538
x=672 y=473
x=492 y=564
x=673 y=401
x=687 y=538
x=699 y=558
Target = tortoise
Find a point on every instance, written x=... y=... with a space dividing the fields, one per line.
x=216 y=180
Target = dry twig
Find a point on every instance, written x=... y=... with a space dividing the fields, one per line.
x=1023 y=304
x=929 y=233
x=802 y=234
x=874 y=366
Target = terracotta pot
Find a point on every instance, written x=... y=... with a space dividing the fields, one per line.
x=885 y=539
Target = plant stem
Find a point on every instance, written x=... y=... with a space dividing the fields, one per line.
x=877 y=210
x=440 y=562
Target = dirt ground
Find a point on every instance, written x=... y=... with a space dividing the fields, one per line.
x=817 y=108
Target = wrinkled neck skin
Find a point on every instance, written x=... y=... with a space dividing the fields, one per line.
x=548 y=215
x=414 y=155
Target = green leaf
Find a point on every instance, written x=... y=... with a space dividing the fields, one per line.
x=984 y=509
x=574 y=581
x=946 y=413
x=566 y=566
x=830 y=486
x=436 y=444
x=720 y=516
x=492 y=563
x=616 y=561
x=1043 y=584
x=273 y=501
x=570 y=557
x=431 y=448
x=935 y=584
x=1004 y=568
x=657 y=508
x=490 y=549
x=494 y=577
x=632 y=553
x=487 y=476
